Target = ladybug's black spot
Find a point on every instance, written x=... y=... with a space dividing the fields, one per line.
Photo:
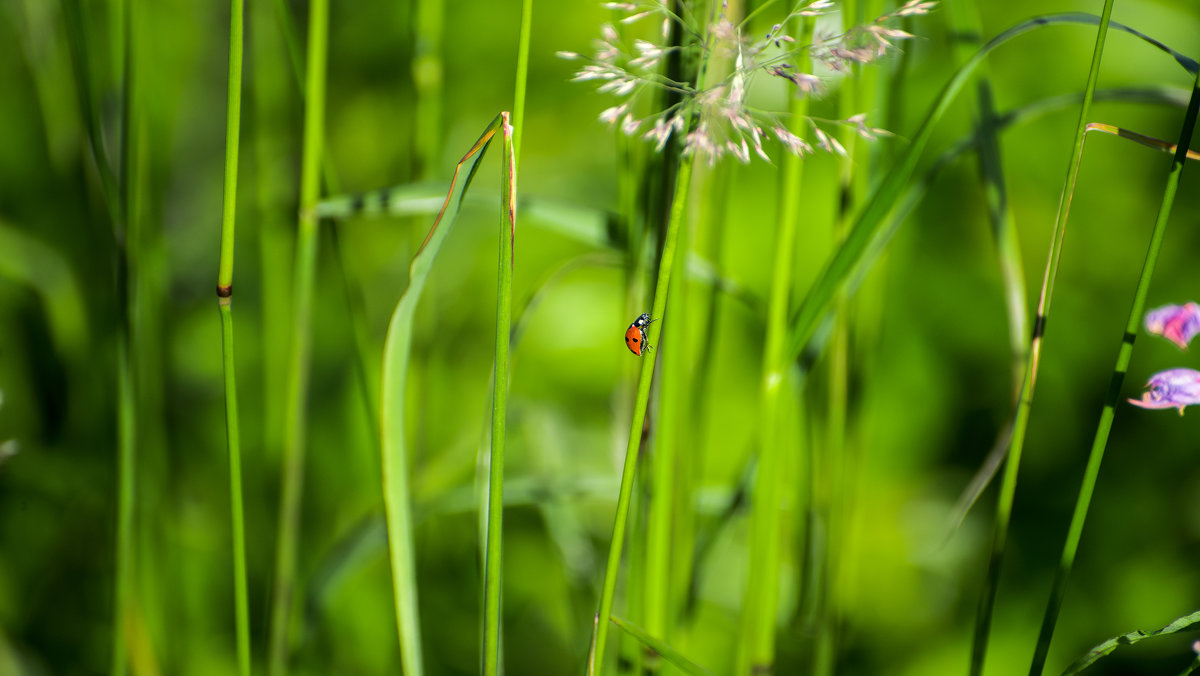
x=636 y=340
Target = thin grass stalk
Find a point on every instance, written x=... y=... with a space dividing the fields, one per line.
x=73 y=22
x=710 y=232
x=493 y=566
x=1124 y=354
x=237 y=512
x=828 y=484
x=224 y=306
x=494 y=559
x=522 y=79
x=756 y=648
x=1008 y=484
x=612 y=567
x=298 y=367
x=662 y=485
x=351 y=286
x=669 y=500
x=127 y=421
x=428 y=78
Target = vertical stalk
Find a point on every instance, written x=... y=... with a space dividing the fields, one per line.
x=297 y=388
x=493 y=562
x=224 y=306
x=494 y=559
x=427 y=75
x=667 y=262
x=1124 y=354
x=756 y=649
x=522 y=78
x=1008 y=485
x=127 y=422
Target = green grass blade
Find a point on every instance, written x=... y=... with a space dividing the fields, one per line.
x=884 y=198
x=1008 y=485
x=126 y=234
x=1124 y=355
x=396 y=353
x=237 y=513
x=493 y=565
x=1185 y=623
x=662 y=648
x=756 y=647
x=642 y=401
x=301 y=339
x=224 y=306
x=428 y=76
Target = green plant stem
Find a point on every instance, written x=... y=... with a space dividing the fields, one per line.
x=233 y=117
x=493 y=562
x=233 y=435
x=756 y=649
x=224 y=306
x=667 y=262
x=1008 y=484
x=127 y=422
x=126 y=486
x=297 y=390
x=522 y=78
x=1124 y=354
x=428 y=77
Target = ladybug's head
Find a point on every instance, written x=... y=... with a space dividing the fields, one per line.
x=643 y=320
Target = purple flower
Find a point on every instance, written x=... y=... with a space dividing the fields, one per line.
x=1176 y=323
x=1175 y=388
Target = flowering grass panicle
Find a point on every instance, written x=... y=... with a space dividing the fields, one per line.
x=721 y=120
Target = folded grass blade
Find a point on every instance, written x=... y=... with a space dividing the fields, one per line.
x=396 y=352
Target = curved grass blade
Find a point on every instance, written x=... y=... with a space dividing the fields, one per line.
x=662 y=648
x=396 y=353
x=881 y=202
x=1185 y=623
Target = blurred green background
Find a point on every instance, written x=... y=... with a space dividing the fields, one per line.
x=930 y=380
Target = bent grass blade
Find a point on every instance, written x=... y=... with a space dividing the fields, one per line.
x=396 y=353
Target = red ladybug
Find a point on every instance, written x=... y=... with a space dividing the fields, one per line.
x=635 y=335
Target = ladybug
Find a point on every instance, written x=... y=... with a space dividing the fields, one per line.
x=635 y=335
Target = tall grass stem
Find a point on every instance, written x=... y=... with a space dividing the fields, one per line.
x=298 y=365
x=612 y=567
x=1008 y=483
x=224 y=305
x=127 y=413
x=1124 y=354
x=494 y=560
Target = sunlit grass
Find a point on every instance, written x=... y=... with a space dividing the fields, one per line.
x=766 y=491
